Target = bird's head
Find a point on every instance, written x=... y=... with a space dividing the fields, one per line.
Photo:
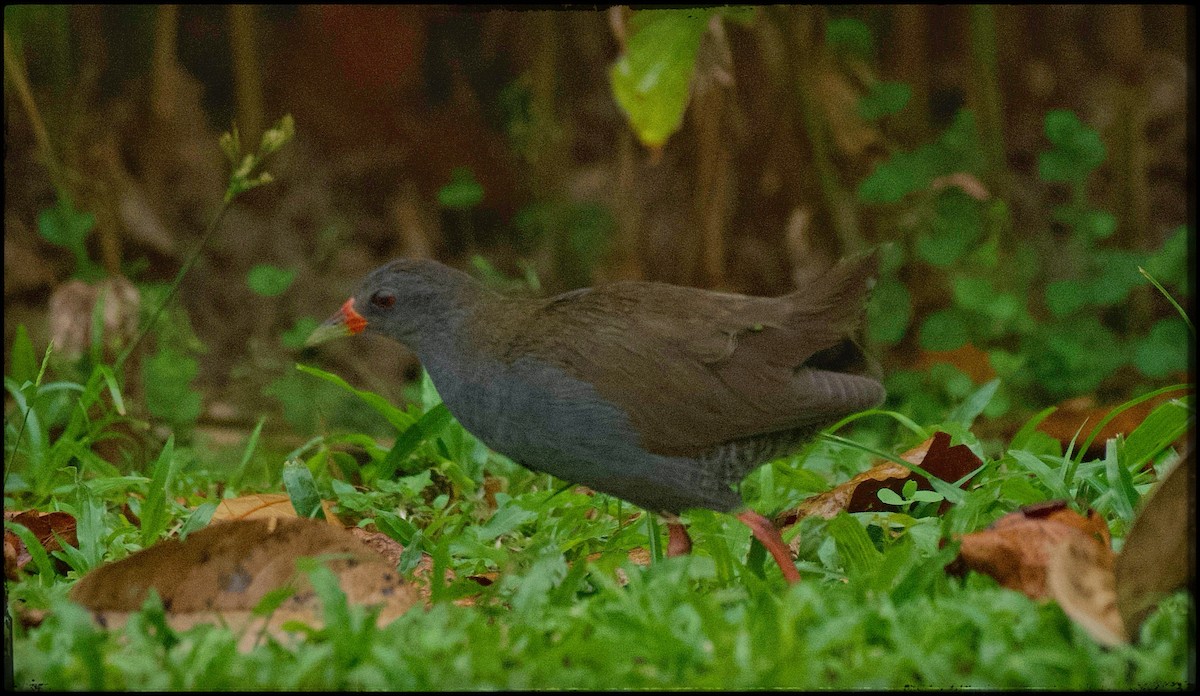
x=401 y=299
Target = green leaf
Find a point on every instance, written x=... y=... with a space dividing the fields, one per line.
x=154 y=510
x=397 y=417
x=410 y=557
x=1077 y=149
x=67 y=227
x=859 y=556
x=430 y=425
x=1051 y=478
x=505 y=520
x=944 y=329
x=889 y=311
x=1026 y=433
x=270 y=281
x=295 y=337
x=166 y=377
x=1065 y=297
x=23 y=364
x=850 y=36
x=37 y=552
x=1098 y=224
x=1120 y=481
x=1170 y=263
x=969 y=410
x=957 y=225
x=462 y=192
x=889 y=497
x=396 y=527
x=1115 y=274
x=1165 y=424
x=1164 y=351
x=927 y=497
x=301 y=488
x=273 y=599
x=884 y=99
x=974 y=293
x=198 y=519
x=651 y=79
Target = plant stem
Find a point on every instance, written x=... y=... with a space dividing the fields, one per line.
x=987 y=92
x=183 y=270
x=16 y=75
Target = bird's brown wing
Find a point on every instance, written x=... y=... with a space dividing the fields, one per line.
x=696 y=369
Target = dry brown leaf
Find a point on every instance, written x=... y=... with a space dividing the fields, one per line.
x=51 y=530
x=220 y=573
x=265 y=506
x=256 y=506
x=1015 y=548
x=1156 y=558
x=12 y=550
x=860 y=494
x=1079 y=576
x=1076 y=418
x=971 y=360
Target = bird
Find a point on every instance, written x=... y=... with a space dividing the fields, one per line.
x=661 y=395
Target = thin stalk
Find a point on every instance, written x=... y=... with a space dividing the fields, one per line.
x=987 y=90
x=183 y=270
x=16 y=74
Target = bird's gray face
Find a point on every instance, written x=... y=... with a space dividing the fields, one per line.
x=397 y=300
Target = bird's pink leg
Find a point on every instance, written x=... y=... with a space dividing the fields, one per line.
x=678 y=541
x=766 y=533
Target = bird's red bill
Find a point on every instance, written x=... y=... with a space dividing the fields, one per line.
x=354 y=321
x=344 y=322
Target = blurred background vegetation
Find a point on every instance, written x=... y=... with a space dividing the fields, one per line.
x=1017 y=163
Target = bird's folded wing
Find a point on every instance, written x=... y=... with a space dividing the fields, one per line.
x=697 y=369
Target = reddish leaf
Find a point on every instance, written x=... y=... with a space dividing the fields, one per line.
x=51 y=529
x=861 y=493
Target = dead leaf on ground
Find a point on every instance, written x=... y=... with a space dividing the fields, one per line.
x=1157 y=558
x=220 y=573
x=265 y=506
x=638 y=556
x=860 y=494
x=50 y=528
x=1079 y=576
x=1076 y=418
x=971 y=360
x=1049 y=551
x=1015 y=548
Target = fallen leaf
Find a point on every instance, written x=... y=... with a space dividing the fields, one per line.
x=265 y=506
x=968 y=358
x=1079 y=576
x=220 y=573
x=860 y=494
x=1158 y=556
x=1015 y=549
x=1076 y=418
x=52 y=529
x=257 y=506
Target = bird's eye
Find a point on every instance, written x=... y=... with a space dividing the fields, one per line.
x=383 y=299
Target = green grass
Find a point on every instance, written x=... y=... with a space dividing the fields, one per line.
x=875 y=610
